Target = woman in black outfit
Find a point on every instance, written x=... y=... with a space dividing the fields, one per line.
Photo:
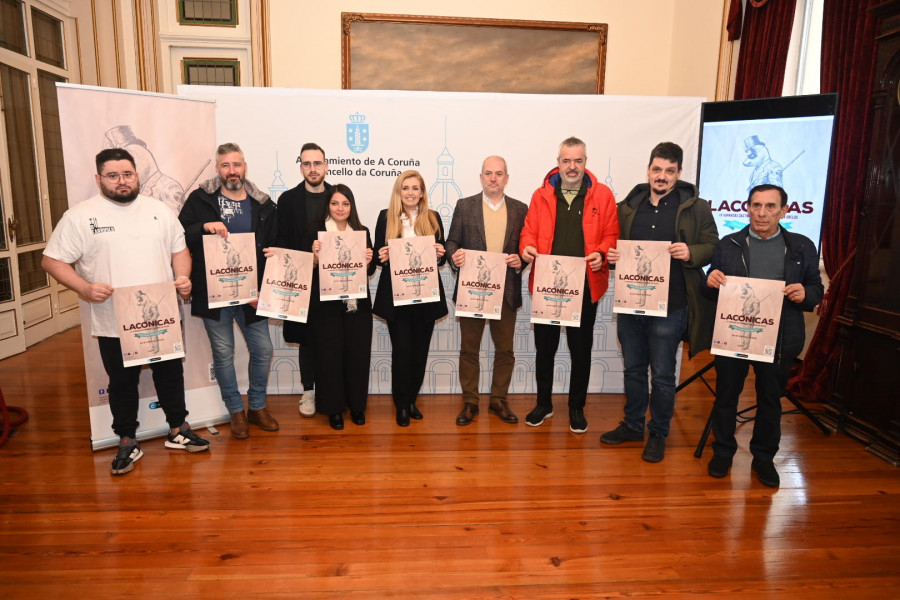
x=342 y=328
x=410 y=326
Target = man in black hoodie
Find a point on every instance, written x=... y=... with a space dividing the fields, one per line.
x=663 y=209
x=300 y=210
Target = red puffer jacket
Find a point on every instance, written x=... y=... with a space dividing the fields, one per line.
x=600 y=222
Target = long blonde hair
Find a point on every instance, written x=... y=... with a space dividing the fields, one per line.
x=426 y=223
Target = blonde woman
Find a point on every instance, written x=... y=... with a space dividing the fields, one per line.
x=410 y=326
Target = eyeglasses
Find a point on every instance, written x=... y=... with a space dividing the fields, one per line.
x=317 y=164
x=115 y=177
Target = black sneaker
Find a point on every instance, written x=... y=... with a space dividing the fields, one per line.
x=765 y=472
x=186 y=439
x=577 y=422
x=719 y=466
x=128 y=454
x=622 y=433
x=654 y=449
x=537 y=416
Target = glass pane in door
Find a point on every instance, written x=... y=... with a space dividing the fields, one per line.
x=22 y=156
x=31 y=276
x=48 y=38
x=3 y=244
x=53 y=154
x=6 y=293
x=12 y=26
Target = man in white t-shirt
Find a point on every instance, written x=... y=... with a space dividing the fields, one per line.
x=116 y=239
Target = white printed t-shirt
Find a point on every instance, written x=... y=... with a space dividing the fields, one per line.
x=119 y=245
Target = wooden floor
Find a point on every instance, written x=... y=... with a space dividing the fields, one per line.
x=431 y=511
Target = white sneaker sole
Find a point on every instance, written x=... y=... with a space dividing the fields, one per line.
x=539 y=423
x=189 y=448
x=130 y=466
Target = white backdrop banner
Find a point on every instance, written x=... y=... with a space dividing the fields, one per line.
x=370 y=137
x=172 y=140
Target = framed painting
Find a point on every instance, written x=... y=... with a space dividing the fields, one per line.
x=408 y=52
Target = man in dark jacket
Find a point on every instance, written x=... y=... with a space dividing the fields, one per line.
x=763 y=250
x=300 y=210
x=664 y=209
x=490 y=221
x=229 y=203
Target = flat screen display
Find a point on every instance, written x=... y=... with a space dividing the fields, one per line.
x=782 y=141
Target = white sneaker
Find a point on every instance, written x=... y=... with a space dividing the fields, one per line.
x=308 y=403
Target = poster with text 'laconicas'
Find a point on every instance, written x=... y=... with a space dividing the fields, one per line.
x=230 y=269
x=149 y=323
x=747 y=318
x=342 y=265
x=642 y=278
x=481 y=282
x=286 y=285
x=558 y=290
x=414 y=275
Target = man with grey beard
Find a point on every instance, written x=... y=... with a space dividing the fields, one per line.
x=230 y=203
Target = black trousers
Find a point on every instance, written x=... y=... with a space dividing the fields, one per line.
x=307 y=357
x=343 y=356
x=410 y=332
x=580 y=341
x=168 y=378
x=771 y=379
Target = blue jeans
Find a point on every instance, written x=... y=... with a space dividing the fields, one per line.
x=221 y=339
x=650 y=342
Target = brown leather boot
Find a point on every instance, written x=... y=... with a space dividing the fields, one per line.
x=262 y=419
x=469 y=411
x=501 y=409
x=239 y=426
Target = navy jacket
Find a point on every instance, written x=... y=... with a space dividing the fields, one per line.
x=801 y=265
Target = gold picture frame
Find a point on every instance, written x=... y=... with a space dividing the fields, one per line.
x=414 y=52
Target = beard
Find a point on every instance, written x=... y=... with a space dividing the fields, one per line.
x=234 y=185
x=122 y=197
x=314 y=180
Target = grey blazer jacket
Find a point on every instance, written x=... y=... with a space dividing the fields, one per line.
x=467 y=232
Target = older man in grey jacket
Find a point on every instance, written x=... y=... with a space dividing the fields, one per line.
x=489 y=221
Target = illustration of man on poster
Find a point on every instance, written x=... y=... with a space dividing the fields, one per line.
x=289 y=276
x=150 y=313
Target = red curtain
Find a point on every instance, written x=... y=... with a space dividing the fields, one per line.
x=733 y=25
x=848 y=68
x=765 y=39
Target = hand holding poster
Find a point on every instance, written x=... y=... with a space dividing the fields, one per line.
x=414 y=275
x=481 y=281
x=747 y=318
x=342 y=265
x=149 y=323
x=642 y=278
x=230 y=269
x=558 y=290
x=286 y=285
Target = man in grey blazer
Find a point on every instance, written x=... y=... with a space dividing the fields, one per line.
x=489 y=221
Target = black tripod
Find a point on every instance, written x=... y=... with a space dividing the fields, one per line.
x=705 y=435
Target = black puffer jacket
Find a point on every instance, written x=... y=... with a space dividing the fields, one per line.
x=202 y=206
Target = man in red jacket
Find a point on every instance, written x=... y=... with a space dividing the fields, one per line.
x=571 y=214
